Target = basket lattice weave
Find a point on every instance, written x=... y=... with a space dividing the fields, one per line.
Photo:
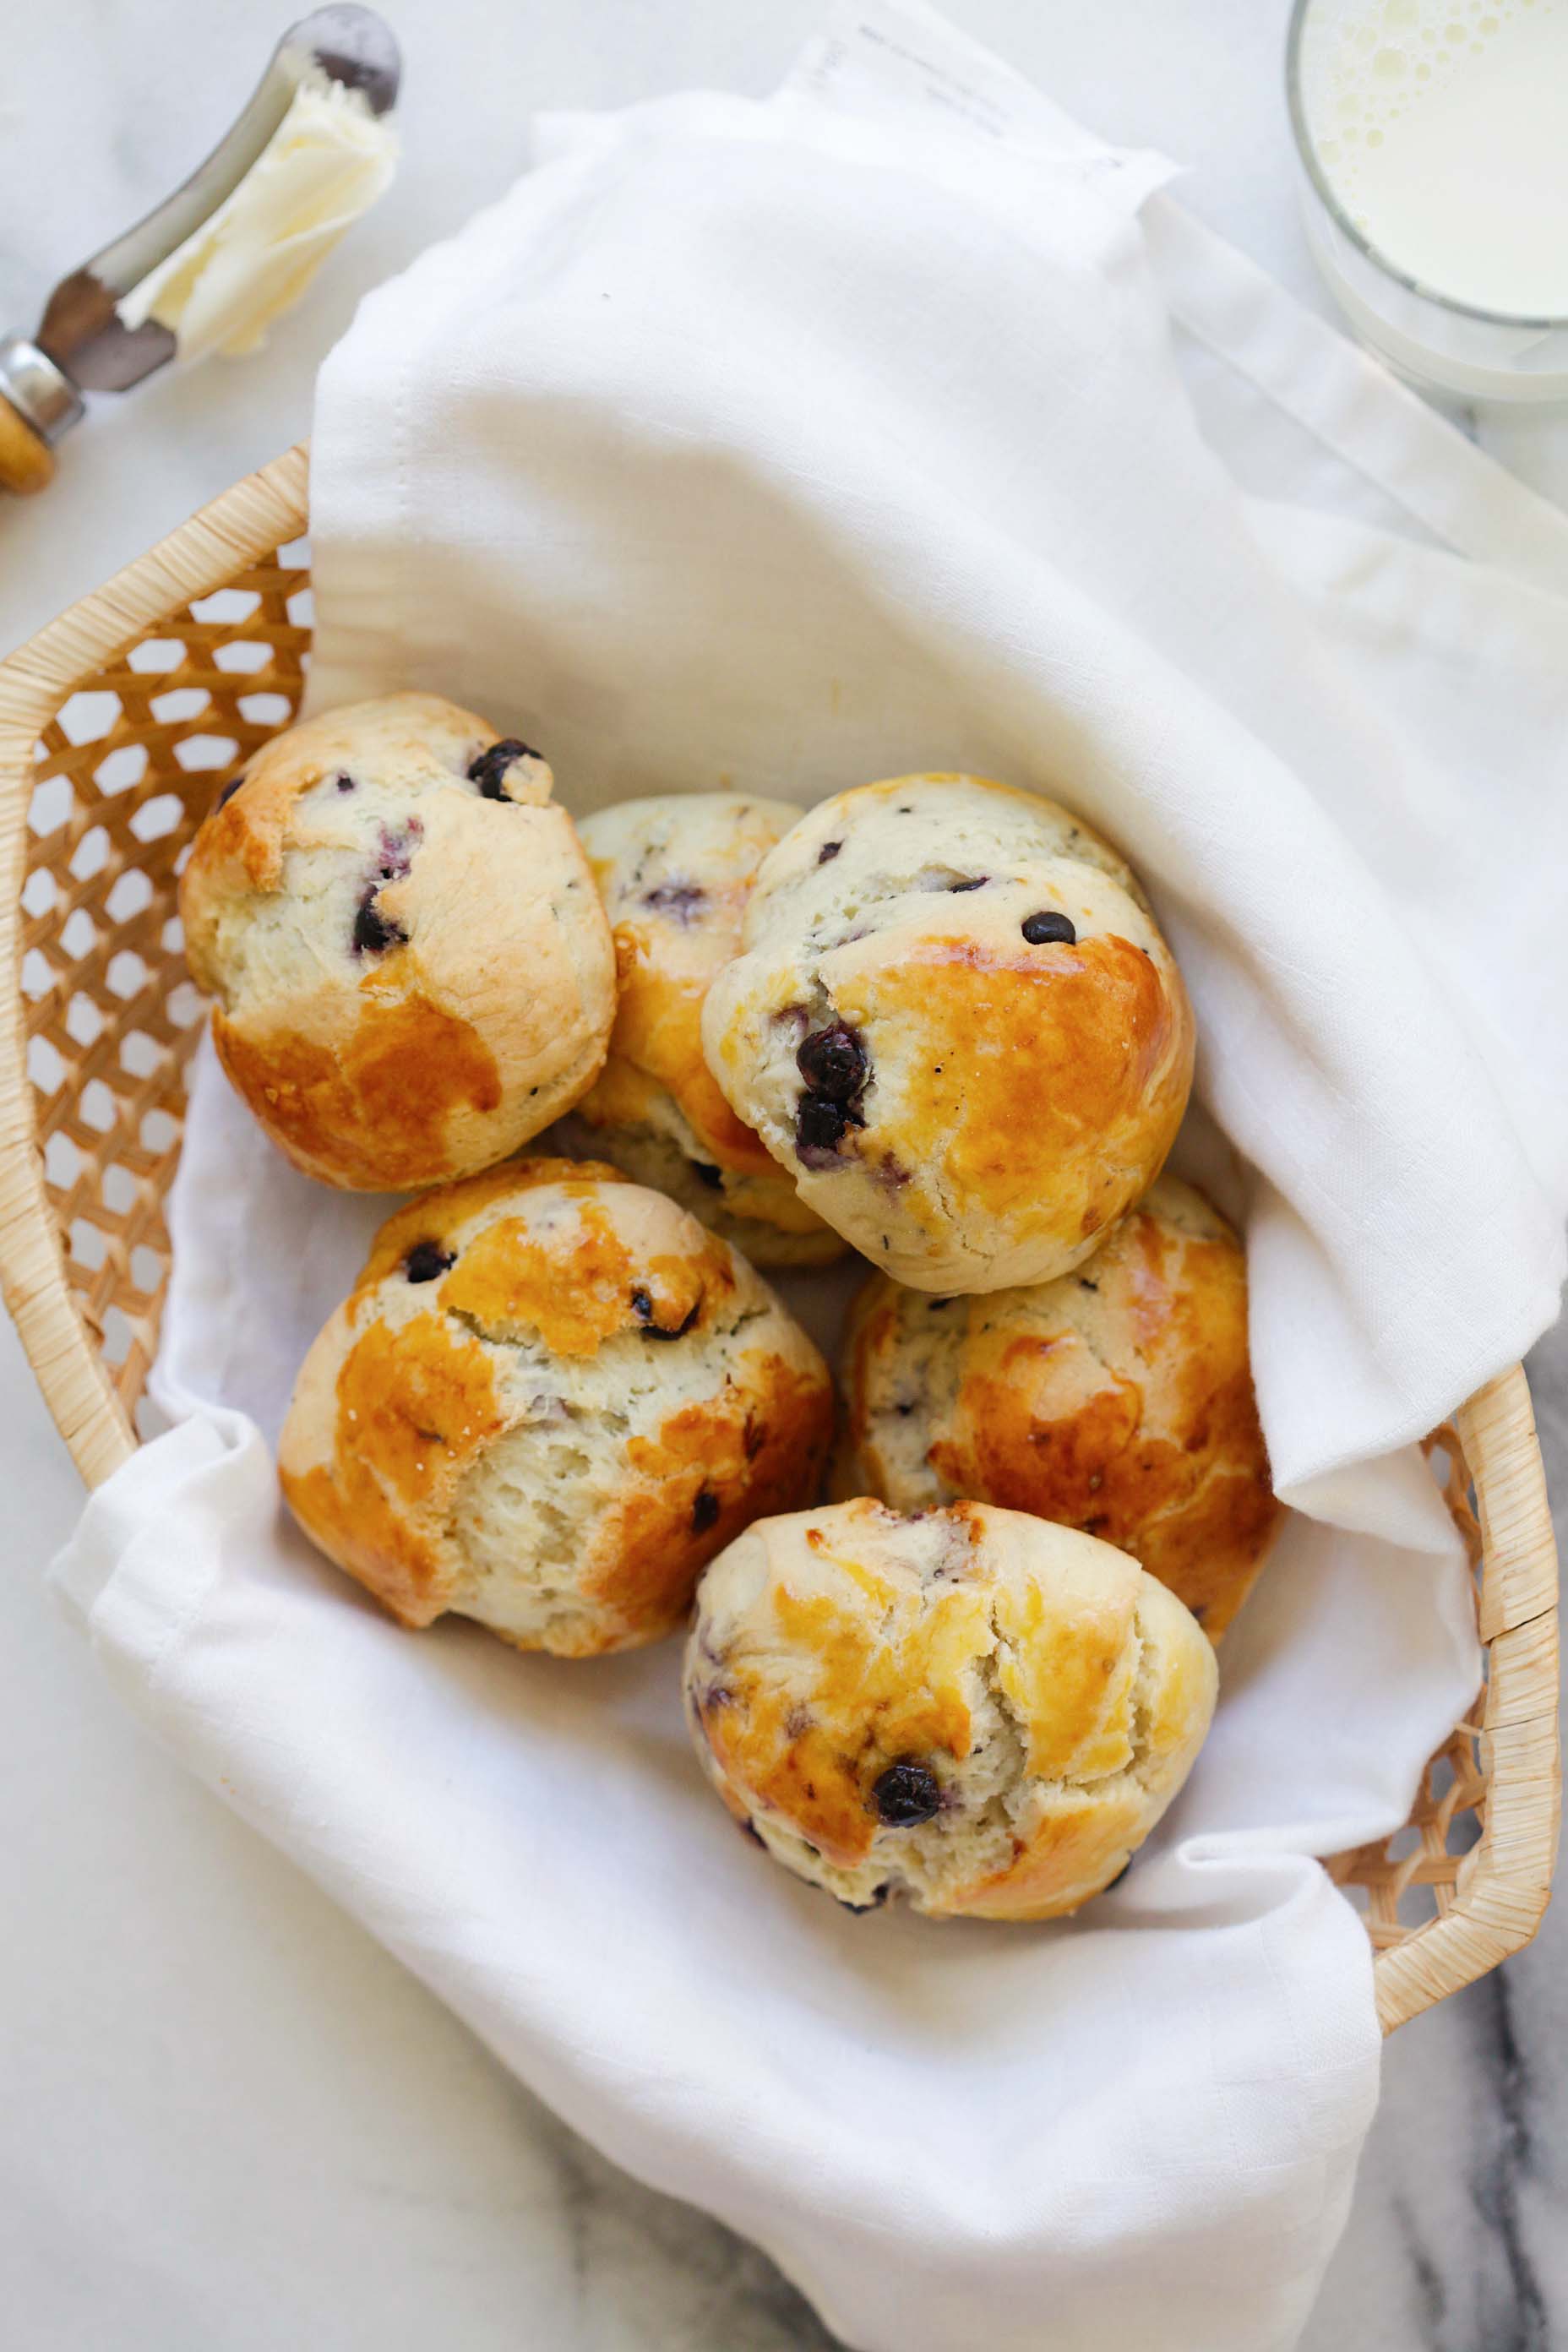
x=118 y=726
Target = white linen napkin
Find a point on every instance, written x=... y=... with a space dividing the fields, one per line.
x=896 y=423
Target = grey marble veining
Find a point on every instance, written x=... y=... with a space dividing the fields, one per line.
x=650 y=2272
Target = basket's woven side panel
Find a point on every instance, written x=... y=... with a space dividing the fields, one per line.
x=1468 y=1880
x=118 y=728
x=126 y=772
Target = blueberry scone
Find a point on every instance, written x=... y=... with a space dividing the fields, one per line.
x=412 y=970
x=1117 y=1400
x=675 y=873
x=550 y=1399
x=956 y=1023
x=970 y=1708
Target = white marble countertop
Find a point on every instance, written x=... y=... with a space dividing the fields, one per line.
x=229 y=2122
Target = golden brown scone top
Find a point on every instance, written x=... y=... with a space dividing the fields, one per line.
x=1118 y=1400
x=549 y=1398
x=989 y=1711
x=1018 y=1038
x=412 y=970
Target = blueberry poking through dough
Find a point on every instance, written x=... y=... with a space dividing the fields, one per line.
x=704 y=1511
x=642 y=1308
x=489 y=770
x=426 y=1260
x=681 y=901
x=907 y=1794
x=345 y=783
x=833 y=1063
x=230 y=789
x=828 y=850
x=1046 y=930
x=819 y=1124
x=373 y=931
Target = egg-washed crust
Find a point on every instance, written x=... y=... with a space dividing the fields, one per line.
x=1019 y=1095
x=552 y=1265
x=1052 y=1044
x=489 y=1014
x=837 y=1643
x=1118 y=1400
x=675 y=873
x=376 y=1115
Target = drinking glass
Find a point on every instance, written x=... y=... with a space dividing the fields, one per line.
x=1436 y=343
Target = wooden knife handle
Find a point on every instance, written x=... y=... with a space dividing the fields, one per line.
x=26 y=460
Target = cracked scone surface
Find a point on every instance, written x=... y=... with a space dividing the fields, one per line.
x=970 y=1708
x=550 y=1399
x=1117 y=1400
x=412 y=970
x=675 y=873
x=956 y=1023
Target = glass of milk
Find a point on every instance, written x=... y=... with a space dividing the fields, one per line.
x=1434 y=142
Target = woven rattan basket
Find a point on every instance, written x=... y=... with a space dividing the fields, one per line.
x=118 y=726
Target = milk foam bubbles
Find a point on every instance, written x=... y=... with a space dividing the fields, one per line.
x=1442 y=128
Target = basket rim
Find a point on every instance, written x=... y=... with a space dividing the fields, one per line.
x=1505 y=1881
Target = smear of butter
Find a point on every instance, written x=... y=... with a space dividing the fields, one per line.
x=325 y=164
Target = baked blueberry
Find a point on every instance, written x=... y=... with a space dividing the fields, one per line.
x=704 y=1510
x=833 y=1063
x=426 y=1261
x=642 y=1308
x=373 y=933
x=489 y=770
x=819 y=1124
x=907 y=1794
x=828 y=850
x=680 y=900
x=345 y=783
x=230 y=789
x=1049 y=929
